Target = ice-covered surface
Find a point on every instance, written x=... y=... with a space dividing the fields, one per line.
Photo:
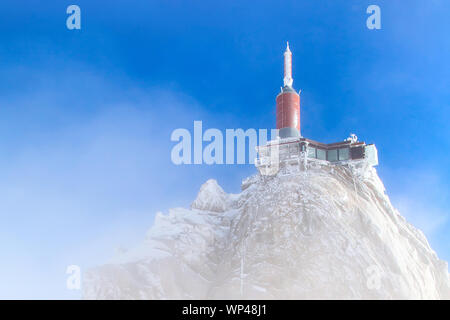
x=330 y=232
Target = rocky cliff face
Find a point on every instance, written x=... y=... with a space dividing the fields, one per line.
x=326 y=233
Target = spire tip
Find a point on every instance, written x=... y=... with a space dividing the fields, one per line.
x=287 y=81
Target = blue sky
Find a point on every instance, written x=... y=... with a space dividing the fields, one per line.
x=86 y=115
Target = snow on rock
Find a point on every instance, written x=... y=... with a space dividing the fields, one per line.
x=327 y=233
x=211 y=197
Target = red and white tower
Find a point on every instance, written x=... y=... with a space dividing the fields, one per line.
x=292 y=152
x=288 y=102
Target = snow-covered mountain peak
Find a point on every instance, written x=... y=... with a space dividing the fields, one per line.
x=326 y=233
x=211 y=197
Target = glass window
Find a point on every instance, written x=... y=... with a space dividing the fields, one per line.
x=332 y=155
x=311 y=152
x=344 y=154
x=321 y=154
